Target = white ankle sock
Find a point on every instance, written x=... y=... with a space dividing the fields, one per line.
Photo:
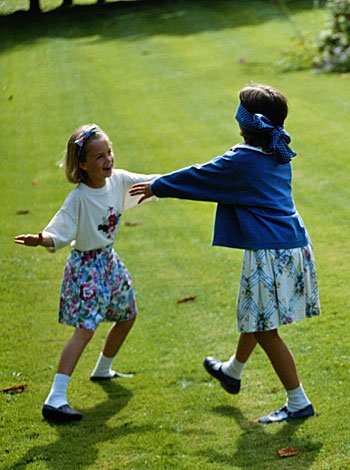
x=233 y=368
x=103 y=367
x=297 y=399
x=58 y=393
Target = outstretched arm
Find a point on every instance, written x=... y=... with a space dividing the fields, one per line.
x=143 y=189
x=34 y=240
x=218 y=180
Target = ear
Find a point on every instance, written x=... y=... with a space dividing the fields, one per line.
x=82 y=165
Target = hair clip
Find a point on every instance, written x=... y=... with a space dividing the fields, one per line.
x=85 y=136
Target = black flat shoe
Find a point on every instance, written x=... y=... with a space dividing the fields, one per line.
x=62 y=414
x=213 y=367
x=283 y=414
x=115 y=375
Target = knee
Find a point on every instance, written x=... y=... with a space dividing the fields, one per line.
x=125 y=325
x=262 y=337
x=258 y=337
x=83 y=335
x=128 y=324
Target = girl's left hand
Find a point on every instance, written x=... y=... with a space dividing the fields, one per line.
x=141 y=188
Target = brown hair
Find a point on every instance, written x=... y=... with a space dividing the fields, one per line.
x=266 y=100
x=74 y=154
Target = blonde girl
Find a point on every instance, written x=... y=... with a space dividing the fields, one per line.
x=96 y=285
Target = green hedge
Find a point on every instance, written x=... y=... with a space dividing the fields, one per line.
x=335 y=40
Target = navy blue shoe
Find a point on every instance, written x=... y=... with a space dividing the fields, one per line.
x=213 y=367
x=283 y=414
x=62 y=414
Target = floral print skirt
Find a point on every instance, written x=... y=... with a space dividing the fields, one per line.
x=96 y=287
x=277 y=287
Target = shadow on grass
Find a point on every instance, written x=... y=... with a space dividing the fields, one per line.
x=257 y=447
x=76 y=445
x=138 y=19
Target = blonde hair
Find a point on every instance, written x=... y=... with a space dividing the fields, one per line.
x=75 y=154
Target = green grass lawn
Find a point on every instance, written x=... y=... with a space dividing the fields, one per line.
x=162 y=79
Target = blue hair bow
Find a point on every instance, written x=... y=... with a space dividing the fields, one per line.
x=84 y=137
x=279 y=138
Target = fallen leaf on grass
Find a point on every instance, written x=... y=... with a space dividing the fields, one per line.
x=23 y=212
x=186 y=299
x=14 y=389
x=34 y=181
x=288 y=452
x=128 y=223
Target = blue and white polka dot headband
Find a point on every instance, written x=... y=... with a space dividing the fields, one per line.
x=279 y=138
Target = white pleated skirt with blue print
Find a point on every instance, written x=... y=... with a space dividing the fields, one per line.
x=277 y=287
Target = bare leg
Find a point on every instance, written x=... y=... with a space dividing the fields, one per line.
x=56 y=406
x=245 y=346
x=116 y=337
x=280 y=357
x=234 y=366
x=73 y=350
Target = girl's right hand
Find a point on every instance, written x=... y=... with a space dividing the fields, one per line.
x=33 y=240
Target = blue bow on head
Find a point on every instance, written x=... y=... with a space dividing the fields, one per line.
x=84 y=137
x=279 y=138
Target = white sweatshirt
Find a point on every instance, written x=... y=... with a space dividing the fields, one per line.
x=89 y=218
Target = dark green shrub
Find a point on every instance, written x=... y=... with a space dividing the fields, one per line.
x=334 y=43
x=300 y=55
x=330 y=52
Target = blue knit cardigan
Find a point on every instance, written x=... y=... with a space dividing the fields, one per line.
x=253 y=192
